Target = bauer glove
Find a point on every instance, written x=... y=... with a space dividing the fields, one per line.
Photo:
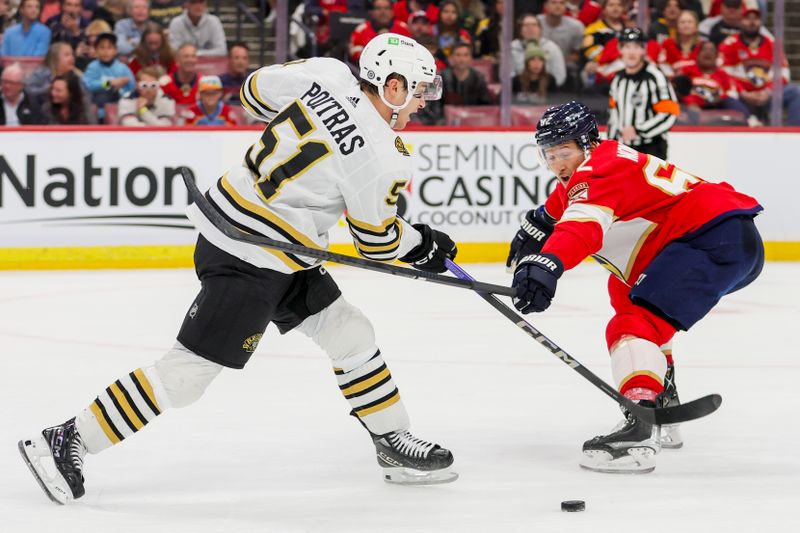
x=429 y=255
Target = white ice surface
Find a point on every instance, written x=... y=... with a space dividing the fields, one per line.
x=271 y=448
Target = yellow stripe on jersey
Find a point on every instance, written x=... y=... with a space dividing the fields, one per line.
x=101 y=420
x=267 y=214
x=254 y=93
x=635 y=252
x=377 y=248
x=366 y=227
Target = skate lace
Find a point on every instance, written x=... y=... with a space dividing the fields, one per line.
x=408 y=444
x=77 y=451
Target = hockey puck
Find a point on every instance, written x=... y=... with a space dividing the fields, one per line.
x=573 y=506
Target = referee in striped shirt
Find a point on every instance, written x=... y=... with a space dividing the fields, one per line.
x=642 y=104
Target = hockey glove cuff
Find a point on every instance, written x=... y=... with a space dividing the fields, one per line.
x=535 y=282
x=429 y=255
x=531 y=236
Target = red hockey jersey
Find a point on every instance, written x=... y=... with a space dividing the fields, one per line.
x=708 y=90
x=623 y=207
x=751 y=67
x=671 y=58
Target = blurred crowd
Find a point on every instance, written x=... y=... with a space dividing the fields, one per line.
x=169 y=62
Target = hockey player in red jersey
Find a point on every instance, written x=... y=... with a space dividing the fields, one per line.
x=674 y=243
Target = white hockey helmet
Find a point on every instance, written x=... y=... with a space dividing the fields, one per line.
x=390 y=53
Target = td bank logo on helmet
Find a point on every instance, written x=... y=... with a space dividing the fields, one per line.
x=397 y=41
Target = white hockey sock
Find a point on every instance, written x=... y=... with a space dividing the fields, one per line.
x=125 y=407
x=373 y=396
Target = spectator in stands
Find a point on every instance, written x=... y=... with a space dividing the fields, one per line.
x=419 y=24
x=472 y=13
x=107 y=77
x=487 y=44
x=681 y=51
x=448 y=29
x=147 y=105
x=238 y=70
x=153 y=49
x=727 y=24
x=59 y=61
x=532 y=85
x=65 y=103
x=85 y=53
x=666 y=25
x=69 y=25
x=529 y=34
x=709 y=86
x=5 y=16
x=430 y=42
x=17 y=108
x=595 y=38
x=163 y=11
x=462 y=84
x=129 y=30
x=50 y=8
x=748 y=58
x=381 y=20
x=210 y=110
x=111 y=11
x=566 y=32
x=182 y=84
x=198 y=27
x=403 y=9
x=28 y=38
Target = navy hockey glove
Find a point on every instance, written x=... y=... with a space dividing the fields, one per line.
x=535 y=282
x=534 y=231
x=429 y=256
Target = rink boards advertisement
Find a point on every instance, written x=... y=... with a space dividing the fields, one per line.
x=100 y=198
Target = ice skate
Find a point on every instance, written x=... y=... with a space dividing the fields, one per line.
x=407 y=460
x=630 y=448
x=670 y=436
x=55 y=458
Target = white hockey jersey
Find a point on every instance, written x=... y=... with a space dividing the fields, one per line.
x=326 y=151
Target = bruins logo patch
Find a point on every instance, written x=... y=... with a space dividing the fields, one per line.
x=401 y=147
x=251 y=343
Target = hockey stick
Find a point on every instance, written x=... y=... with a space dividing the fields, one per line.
x=232 y=232
x=661 y=416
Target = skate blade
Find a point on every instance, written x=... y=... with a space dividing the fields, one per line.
x=640 y=460
x=409 y=476
x=670 y=437
x=37 y=455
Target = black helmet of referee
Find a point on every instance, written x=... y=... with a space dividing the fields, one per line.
x=632 y=35
x=572 y=121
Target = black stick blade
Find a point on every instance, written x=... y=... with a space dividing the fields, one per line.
x=679 y=413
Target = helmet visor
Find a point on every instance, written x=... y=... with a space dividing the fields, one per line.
x=433 y=90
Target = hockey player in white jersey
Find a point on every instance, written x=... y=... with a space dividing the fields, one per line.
x=329 y=148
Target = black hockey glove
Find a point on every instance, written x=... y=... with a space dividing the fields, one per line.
x=535 y=282
x=534 y=231
x=431 y=253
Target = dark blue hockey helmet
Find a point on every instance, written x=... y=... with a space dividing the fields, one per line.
x=567 y=122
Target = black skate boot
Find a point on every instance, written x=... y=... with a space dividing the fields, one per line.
x=630 y=448
x=407 y=460
x=56 y=461
x=669 y=436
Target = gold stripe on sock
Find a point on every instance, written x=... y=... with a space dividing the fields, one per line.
x=380 y=407
x=358 y=387
x=148 y=389
x=123 y=402
x=101 y=419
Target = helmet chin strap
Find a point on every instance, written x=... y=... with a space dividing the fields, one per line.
x=395 y=108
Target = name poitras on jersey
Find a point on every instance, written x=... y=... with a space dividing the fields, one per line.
x=322 y=103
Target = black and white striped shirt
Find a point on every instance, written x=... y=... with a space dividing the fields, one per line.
x=644 y=100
